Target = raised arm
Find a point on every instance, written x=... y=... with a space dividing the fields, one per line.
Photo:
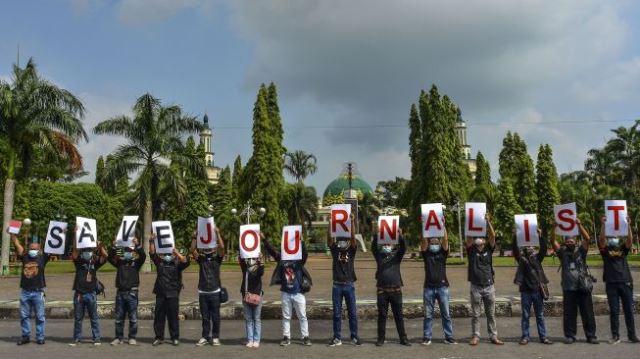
x=329 y=239
x=491 y=234
x=629 y=242
x=445 y=241
x=142 y=256
x=602 y=240
x=374 y=246
x=353 y=232
x=585 y=236
x=554 y=243
x=181 y=258
x=543 y=246
x=113 y=257
x=74 y=250
x=402 y=246
x=152 y=244
x=269 y=248
x=305 y=254
x=514 y=246
x=220 y=243
x=16 y=243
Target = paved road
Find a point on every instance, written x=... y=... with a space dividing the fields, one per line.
x=59 y=331
x=59 y=285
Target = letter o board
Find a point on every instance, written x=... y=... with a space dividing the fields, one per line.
x=291 y=244
x=249 y=241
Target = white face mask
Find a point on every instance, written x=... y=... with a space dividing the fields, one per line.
x=478 y=241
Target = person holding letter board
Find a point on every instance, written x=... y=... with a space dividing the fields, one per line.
x=343 y=253
x=532 y=284
x=86 y=287
x=128 y=261
x=209 y=288
x=482 y=290
x=389 y=286
x=169 y=268
x=32 y=287
x=577 y=285
x=436 y=286
x=618 y=281
x=252 y=272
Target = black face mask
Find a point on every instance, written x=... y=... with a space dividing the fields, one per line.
x=570 y=247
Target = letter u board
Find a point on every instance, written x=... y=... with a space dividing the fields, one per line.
x=249 y=241
x=56 y=238
x=207 y=237
x=291 y=244
x=127 y=231
x=340 y=220
x=527 y=230
x=565 y=216
x=616 y=218
x=165 y=242
x=475 y=222
x=388 y=229
x=86 y=233
x=432 y=223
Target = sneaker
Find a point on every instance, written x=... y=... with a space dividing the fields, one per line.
x=249 y=345
x=40 y=341
x=405 y=341
x=474 y=341
x=380 y=342
x=426 y=341
x=634 y=339
x=23 y=341
x=524 y=341
x=175 y=342
x=569 y=340
x=285 y=342
x=116 y=341
x=496 y=341
x=593 y=340
x=335 y=342
x=450 y=341
x=546 y=341
x=97 y=343
x=157 y=342
x=215 y=342
x=614 y=340
x=306 y=341
x=74 y=343
x=133 y=341
x=356 y=341
x=256 y=344
x=201 y=342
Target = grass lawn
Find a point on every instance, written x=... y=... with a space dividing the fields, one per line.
x=594 y=260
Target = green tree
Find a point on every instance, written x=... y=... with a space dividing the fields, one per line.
x=300 y=164
x=483 y=171
x=34 y=115
x=546 y=188
x=516 y=166
x=153 y=141
x=506 y=208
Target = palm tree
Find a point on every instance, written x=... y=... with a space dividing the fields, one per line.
x=35 y=115
x=153 y=143
x=300 y=164
x=302 y=204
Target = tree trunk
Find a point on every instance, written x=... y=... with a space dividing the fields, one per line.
x=9 y=193
x=146 y=234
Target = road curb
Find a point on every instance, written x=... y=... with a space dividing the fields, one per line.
x=316 y=309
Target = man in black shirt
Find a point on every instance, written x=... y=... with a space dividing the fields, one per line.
x=209 y=288
x=169 y=268
x=343 y=253
x=573 y=262
x=33 y=285
x=481 y=276
x=85 y=288
x=532 y=282
x=128 y=265
x=618 y=282
x=436 y=287
x=389 y=287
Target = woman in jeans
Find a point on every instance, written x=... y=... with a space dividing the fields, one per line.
x=252 y=271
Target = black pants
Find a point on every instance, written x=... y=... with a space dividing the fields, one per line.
x=617 y=292
x=210 y=312
x=572 y=301
x=395 y=299
x=166 y=310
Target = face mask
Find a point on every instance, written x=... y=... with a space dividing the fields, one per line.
x=434 y=248
x=251 y=262
x=478 y=242
x=33 y=253
x=342 y=245
x=386 y=249
x=613 y=242
x=128 y=256
x=570 y=246
x=527 y=251
x=207 y=252
x=168 y=258
x=87 y=256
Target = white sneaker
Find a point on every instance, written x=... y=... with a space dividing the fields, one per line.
x=97 y=343
x=249 y=345
x=74 y=343
x=215 y=342
x=256 y=344
x=116 y=341
x=201 y=342
x=133 y=341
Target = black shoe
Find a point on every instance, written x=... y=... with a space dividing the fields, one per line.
x=405 y=341
x=634 y=339
x=450 y=341
x=307 y=342
x=569 y=340
x=40 y=341
x=157 y=342
x=380 y=342
x=356 y=341
x=285 y=342
x=335 y=342
x=23 y=341
x=593 y=340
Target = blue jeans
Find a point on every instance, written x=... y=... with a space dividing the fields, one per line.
x=89 y=302
x=528 y=299
x=32 y=301
x=127 y=305
x=441 y=294
x=348 y=292
x=252 y=321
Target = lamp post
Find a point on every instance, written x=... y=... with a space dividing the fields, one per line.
x=248 y=211
x=456 y=207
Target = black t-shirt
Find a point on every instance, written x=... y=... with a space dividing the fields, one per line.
x=86 y=280
x=573 y=265
x=343 y=264
x=616 y=267
x=169 y=276
x=435 y=268
x=209 y=275
x=127 y=275
x=480 y=270
x=32 y=277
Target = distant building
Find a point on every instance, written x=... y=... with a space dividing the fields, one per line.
x=461 y=130
x=206 y=137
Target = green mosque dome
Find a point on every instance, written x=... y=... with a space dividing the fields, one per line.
x=340 y=184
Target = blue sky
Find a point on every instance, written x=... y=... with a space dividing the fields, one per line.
x=558 y=72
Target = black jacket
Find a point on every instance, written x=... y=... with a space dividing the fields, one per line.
x=278 y=273
x=169 y=276
x=128 y=272
x=388 y=271
x=530 y=272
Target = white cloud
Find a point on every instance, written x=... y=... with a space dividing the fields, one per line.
x=142 y=12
